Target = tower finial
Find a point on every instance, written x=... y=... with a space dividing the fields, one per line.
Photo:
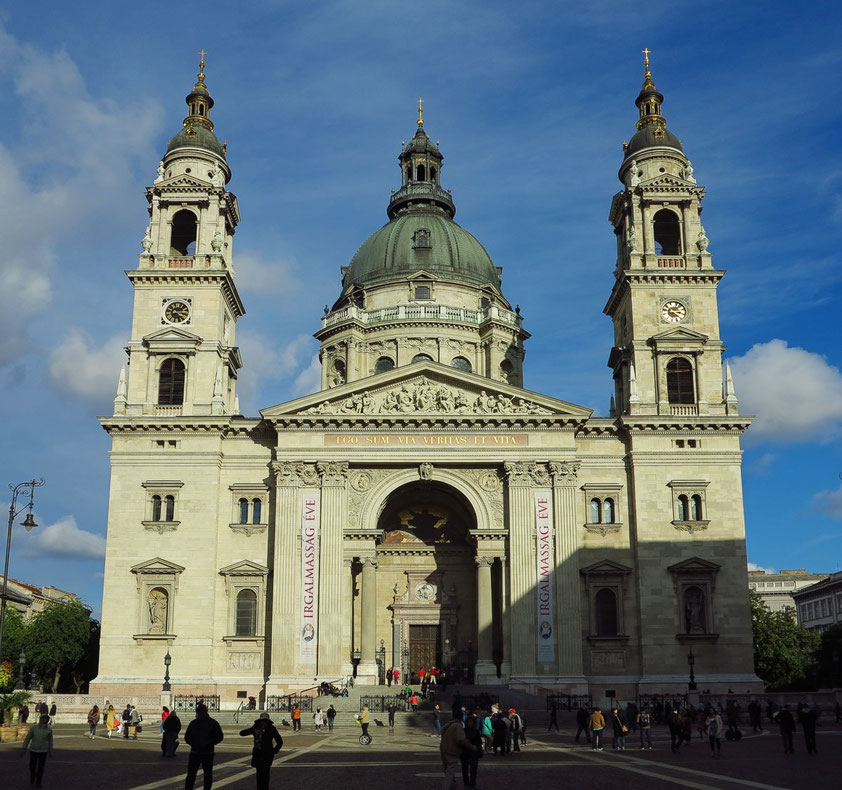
x=201 y=74
x=420 y=112
x=647 y=72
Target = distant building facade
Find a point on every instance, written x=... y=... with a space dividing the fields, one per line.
x=30 y=600
x=819 y=606
x=776 y=589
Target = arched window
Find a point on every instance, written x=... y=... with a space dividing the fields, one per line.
x=608 y=511
x=432 y=174
x=156 y=508
x=680 y=388
x=256 y=506
x=171 y=383
x=244 y=511
x=695 y=611
x=384 y=364
x=507 y=371
x=422 y=173
x=169 y=507
x=667 y=233
x=595 y=511
x=409 y=172
x=682 y=508
x=460 y=363
x=695 y=508
x=605 y=609
x=246 y=616
x=422 y=358
x=183 y=239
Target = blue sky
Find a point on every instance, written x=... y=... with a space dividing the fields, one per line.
x=531 y=102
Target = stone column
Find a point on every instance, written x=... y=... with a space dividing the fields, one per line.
x=522 y=569
x=567 y=596
x=505 y=611
x=290 y=477
x=485 y=670
x=648 y=230
x=367 y=668
x=331 y=587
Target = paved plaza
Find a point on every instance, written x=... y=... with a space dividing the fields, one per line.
x=409 y=760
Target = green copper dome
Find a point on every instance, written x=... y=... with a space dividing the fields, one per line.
x=652 y=129
x=421 y=240
x=196 y=136
x=197 y=131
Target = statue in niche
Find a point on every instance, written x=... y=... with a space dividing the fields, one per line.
x=694 y=611
x=157 y=604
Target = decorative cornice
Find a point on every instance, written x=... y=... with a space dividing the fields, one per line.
x=191 y=277
x=691 y=526
x=248 y=529
x=161 y=526
x=603 y=529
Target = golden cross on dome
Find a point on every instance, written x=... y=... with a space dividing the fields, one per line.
x=646 y=52
x=201 y=74
x=420 y=112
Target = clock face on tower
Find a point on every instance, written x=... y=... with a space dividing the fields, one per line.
x=673 y=311
x=176 y=311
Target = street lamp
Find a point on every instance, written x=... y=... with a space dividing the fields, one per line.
x=26 y=489
x=21 y=662
x=167 y=662
x=691 y=660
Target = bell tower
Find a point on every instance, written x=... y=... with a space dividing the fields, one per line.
x=667 y=354
x=183 y=360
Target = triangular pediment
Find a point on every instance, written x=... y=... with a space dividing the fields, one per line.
x=183 y=181
x=171 y=333
x=422 y=274
x=694 y=565
x=157 y=565
x=427 y=388
x=605 y=567
x=670 y=181
x=679 y=335
x=244 y=568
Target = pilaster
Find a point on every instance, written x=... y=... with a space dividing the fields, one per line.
x=485 y=669
x=367 y=669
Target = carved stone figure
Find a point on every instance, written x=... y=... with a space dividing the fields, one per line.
x=703 y=241
x=688 y=173
x=146 y=241
x=160 y=176
x=217 y=179
x=633 y=238
x=156 y=603
x=390 y=402
x=425 y=471
x=216 y=242
x=445 y=400
x=405 y=401
x=634 y=174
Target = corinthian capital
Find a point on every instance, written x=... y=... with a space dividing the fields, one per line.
x=333 y=473
x=517 y=473
x=295 y=473
x=565 y=473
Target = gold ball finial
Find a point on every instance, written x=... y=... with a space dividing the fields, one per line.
x=201 y=74
x=420 y=112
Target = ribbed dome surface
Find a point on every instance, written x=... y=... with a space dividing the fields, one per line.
x=645 y=138
x=196 y=136
x=394 y=252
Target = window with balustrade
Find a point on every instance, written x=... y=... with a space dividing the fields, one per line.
x=680 y=381
x=249 y=508
x=161 y=504
x=689 y=504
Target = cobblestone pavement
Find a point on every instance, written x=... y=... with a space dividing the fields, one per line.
x=409 y=760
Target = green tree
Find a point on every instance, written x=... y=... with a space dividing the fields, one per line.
x=57 y=637
x=781 y=646
x=14 y=634
x=829 y=658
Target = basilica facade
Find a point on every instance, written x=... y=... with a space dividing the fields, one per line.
x=423 y=508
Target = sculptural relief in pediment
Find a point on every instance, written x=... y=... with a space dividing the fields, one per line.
x=427 y=397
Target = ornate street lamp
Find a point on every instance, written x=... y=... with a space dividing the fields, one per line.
x=167 y=662
x=691 y=660
x=26 y=489
x=21 y=662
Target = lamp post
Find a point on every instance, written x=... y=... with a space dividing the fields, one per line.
x=691 y=660
x=167 y=662
x=25 y=489
x=405 y=657
x=21 y=662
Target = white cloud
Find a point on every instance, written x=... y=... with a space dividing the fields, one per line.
x=80 y=367
x=310 y=379
x=795 y=394
x=830 y=502
x=753 y=566
x=69 y=163
x=65 y=539
x=761 y=465
x=257 y=276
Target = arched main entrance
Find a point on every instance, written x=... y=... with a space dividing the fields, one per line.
x=426 y=558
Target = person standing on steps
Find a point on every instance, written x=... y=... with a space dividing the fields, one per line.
x=203 y=733
x=331 y=715
x=318 y=719
x=597 y=725
x=390 y=709
x=644 y=724
x=39 y=739
x=436 y=722
x=267 y=743
x=296 y=718
x=619 y=728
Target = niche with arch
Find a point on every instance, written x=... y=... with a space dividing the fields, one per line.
x=184 y=233
x=667 y=232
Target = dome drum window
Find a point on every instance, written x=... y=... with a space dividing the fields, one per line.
x=460 y=363
x=384 y=365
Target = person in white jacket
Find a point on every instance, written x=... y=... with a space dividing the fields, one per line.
x=714 y=725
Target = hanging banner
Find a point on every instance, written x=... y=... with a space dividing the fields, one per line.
x=544 y=581
x=309 y=575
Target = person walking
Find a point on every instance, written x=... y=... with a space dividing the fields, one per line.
x=786 y=724
x=436 y=722
x=453 y=743
x=486 y=730
x=296 y=718
x=169 y=738
x=52 y=712
x=23 y=713
x=581 y=723
x=203 y=733
x=165 y=711
x=808 y=717
x=644 y=725
x=554 y=719
x=111 y=720
x=39 y=739
x=267 y=743
x=619 y=729
x=714 y=727
x=516 y=724
x=470 y=759
x=365 y=719
x=93 y=720
x=134 y=722
x=318 y=719
x=331 y=715
x=597 y=725
x=676 y=731
x=498 y=740
x=126 y=718
x=390 y=709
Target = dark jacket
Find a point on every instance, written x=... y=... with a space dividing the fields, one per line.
x=265 y=734
x=618 y=721
x=203 y=733
x=474 y=737
x=172 y=724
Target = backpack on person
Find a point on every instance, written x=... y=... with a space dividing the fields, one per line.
x=645 y=720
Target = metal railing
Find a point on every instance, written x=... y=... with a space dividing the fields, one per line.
x=190 y=701
x=379 y=703
x=569 y=701
x=285 y=703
